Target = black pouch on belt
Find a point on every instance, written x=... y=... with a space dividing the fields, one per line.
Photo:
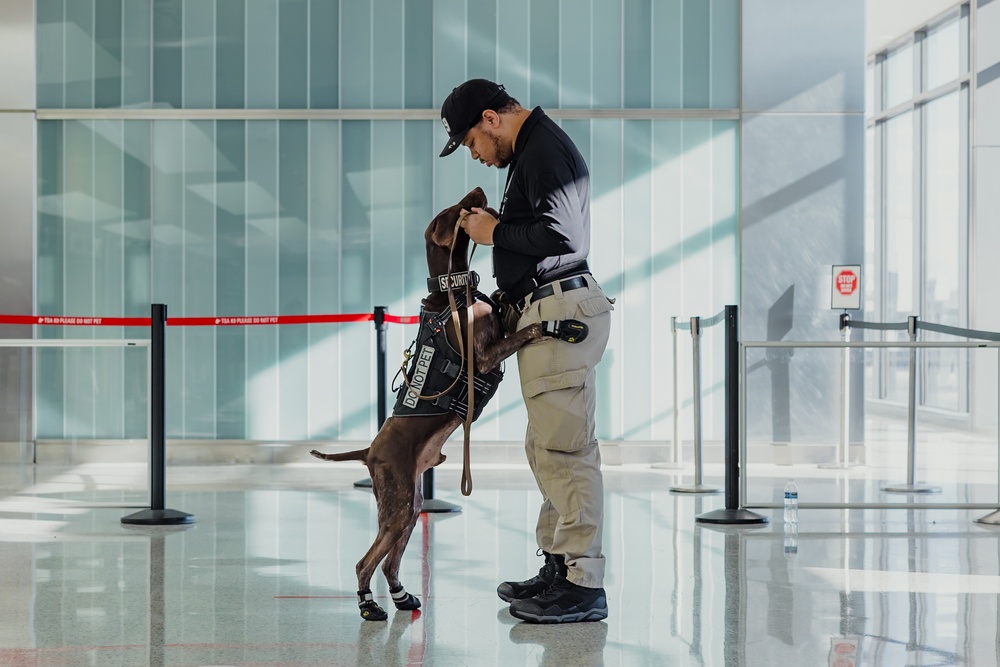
x=508 y=312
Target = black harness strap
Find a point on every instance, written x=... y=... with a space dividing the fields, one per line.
x=435 y=365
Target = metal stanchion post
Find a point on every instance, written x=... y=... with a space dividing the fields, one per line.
x=911 y=485
x=157 y=514
x=844 y=450
x=732 y=514
x=675 y=461
x=697 y=487
x=381 y=328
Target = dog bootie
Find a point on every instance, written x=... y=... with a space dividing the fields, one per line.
x=402 y=599
x=370 y=611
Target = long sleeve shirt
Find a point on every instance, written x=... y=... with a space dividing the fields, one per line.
x=545 y=216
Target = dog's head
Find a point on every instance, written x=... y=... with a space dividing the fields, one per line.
x=441 y=233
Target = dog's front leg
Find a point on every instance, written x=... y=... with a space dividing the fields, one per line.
x=491 y=355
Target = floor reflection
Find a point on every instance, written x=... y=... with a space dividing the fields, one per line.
x=266 y=577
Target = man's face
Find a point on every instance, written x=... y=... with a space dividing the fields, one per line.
x=486 y=145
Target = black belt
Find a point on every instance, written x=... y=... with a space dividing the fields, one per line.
x=576 y=282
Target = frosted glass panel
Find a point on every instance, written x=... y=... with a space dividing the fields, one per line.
x=943 y=55
x=898 y=76
x=296 y=217
x=265 y=217
x=263 y=54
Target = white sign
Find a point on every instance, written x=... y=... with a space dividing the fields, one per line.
x=845 y=288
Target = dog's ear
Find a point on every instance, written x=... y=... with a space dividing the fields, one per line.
x=492 y=211
x=444 y=226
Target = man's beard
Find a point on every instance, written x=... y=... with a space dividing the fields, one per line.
x=501 y=150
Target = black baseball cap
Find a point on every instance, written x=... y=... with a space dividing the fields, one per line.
x=463 y=108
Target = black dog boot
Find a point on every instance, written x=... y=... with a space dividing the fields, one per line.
x=402 y=599
x=520 y=590
x=370 y=611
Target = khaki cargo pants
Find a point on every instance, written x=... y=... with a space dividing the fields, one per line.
x=558 y=385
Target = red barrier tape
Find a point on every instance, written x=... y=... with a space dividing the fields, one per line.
x=58 y=320
x=402 y=319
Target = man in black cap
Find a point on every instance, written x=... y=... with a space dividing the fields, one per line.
x=540 y=246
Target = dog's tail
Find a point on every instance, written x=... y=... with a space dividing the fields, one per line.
x=357 y=455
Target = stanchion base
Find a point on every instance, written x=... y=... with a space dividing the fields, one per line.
x=840 y=466
x=735 y=517
x=695 y=488
x=912 y=488
x=666 y=465
x=436 y=505
x=152 y=517
x=991 y=519
x=365 y=483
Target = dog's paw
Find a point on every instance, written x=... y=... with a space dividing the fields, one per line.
x=370 y=611
x=319 y=455
x=409 y=602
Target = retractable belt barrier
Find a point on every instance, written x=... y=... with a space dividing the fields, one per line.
x=695 y=325
x=53 y=320
x=912 y=325
x=157 y=514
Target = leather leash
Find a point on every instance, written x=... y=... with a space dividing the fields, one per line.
x=470 y=366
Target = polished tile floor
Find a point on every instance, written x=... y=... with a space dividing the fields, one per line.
x=266 y=574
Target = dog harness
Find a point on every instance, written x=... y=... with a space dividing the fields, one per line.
x=435 y=365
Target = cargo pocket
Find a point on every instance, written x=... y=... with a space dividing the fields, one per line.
x=559 y=408
x=595 y=305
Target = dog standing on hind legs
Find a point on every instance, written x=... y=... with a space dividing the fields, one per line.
x=406 y=446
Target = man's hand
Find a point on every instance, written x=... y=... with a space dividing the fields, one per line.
x=479 y=225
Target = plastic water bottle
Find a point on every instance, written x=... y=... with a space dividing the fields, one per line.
x=791 y=503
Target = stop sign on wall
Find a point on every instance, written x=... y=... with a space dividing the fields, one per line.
x=845 y=289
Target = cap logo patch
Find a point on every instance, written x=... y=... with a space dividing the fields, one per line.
x=447 y=128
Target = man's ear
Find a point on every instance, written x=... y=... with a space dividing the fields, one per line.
x=492 y=118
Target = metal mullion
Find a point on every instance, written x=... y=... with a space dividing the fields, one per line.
x=881 y=234
x=920 y=100
x=878 y=252
x=966 y=40
x=964 y=235
x=919 y=222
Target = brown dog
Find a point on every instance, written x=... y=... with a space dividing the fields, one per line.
x=407 y=446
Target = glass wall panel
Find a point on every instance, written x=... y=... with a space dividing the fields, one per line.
x=898 y=77
x=295 y=217
x=943 y=259
x=943 y=55
x=917 y=226
x=264 y=54
x=267 y=217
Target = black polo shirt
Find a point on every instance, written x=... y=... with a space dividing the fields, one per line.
x=544 y=225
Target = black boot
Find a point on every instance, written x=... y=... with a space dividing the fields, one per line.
x=562 y=602
x=520 y=590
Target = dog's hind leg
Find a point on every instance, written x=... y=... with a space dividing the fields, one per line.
x=395 y=511
x=390 y=566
